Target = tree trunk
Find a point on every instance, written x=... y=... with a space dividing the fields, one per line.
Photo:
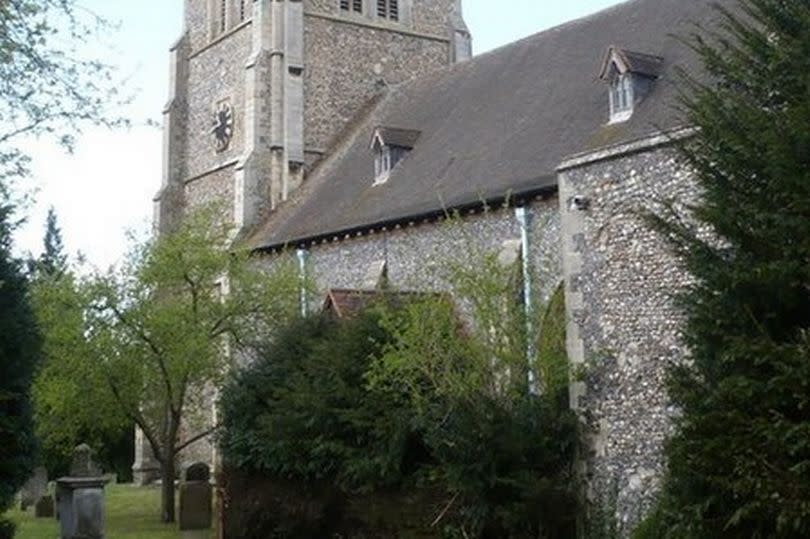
x=167 y=470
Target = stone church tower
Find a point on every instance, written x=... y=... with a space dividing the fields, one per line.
x=260 y=90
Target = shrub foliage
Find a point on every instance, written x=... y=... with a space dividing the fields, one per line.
x=427 y=395
x=303 y=411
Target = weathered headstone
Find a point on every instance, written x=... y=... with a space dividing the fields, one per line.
x=44 y=507
x=196 y=498
x=35 y=488
x=80 y=498
x=82 y=464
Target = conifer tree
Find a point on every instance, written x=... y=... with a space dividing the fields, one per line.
x=739 y=461
x=19 y=352
x=53 y=261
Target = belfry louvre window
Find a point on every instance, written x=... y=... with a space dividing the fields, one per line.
x=223 y=15
x=388 y=9
x=242 y=10
x=352 y=5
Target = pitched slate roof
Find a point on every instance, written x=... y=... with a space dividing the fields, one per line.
x=648 y=65
x=496 y=125
x=391 y=136
x=347 y=303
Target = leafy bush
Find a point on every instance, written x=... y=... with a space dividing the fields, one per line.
x=504 y=454
x=7 y=529
x=302 y=410
x=455 y=403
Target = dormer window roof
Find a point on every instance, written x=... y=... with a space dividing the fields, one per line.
x=390 y=145
x=630 y=76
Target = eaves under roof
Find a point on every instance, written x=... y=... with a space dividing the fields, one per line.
x=495 y=126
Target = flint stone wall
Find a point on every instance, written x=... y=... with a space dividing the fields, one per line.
x=345 y=62
x=416 y=257
x=215 y=188
x=623 y=324
x=214 y=74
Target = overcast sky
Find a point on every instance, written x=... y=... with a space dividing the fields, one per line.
x=106 y=187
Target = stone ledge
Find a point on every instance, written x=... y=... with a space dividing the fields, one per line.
x=222 y=166
x=627 y=148
x=82 y=482
x=220 y=39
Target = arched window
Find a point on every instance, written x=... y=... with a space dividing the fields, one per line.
x=621 y=96
x=382 y=163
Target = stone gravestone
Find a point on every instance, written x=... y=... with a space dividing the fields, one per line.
x=80 y=498
x=82 y=464
x=35 y=488
x=44 y=507
x=196 y=497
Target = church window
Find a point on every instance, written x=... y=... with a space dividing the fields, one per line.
x=390 y=146
x=630 y=77
x=355 y=6
x=382 y=163
x=388 y=9
x=242 y=10
x=621 y=95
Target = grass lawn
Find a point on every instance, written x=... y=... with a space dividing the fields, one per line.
x=132 y=513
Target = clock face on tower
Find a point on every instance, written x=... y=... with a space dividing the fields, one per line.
x=223 y=126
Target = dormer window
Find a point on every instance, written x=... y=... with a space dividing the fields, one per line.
x=390 y=146
x=630 y=76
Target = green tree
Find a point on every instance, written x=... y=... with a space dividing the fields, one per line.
x=739 y=462
x=154 y=338
x=502 y=448
x=19 y=354
x=47 y=86
x=53 y=260
x=64 y=417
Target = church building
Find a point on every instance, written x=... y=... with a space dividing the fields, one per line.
x=348 y=129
